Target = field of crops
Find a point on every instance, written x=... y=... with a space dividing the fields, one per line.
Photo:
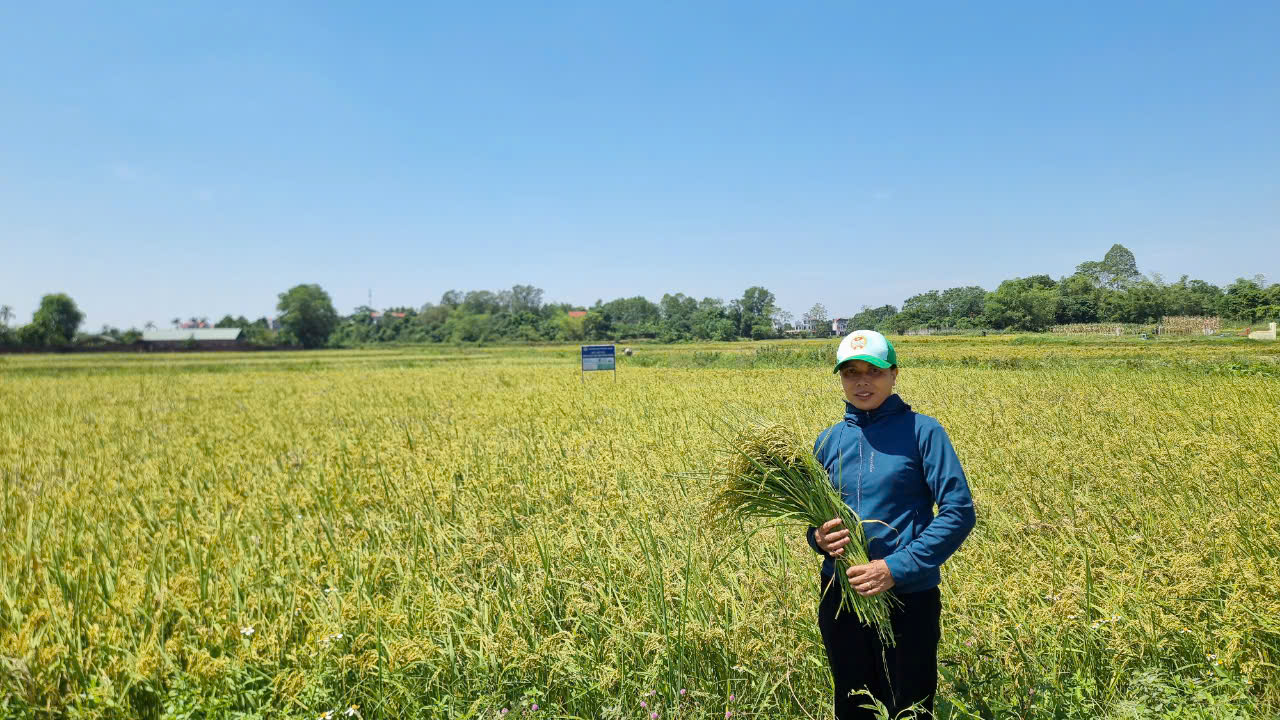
x=423 y=533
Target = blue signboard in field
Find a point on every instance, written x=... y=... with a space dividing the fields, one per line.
x=599 y=357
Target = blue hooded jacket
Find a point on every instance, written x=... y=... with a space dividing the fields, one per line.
x=892 y=465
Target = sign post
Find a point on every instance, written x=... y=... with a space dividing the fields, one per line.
x=599 y=357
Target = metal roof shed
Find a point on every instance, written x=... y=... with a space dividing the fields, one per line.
x=198 y=335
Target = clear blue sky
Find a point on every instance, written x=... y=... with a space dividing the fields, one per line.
x=174 y=159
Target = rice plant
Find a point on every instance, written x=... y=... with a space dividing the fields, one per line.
x=422 y=535
x=768 y=473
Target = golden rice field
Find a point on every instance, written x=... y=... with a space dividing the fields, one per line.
x=427 y=533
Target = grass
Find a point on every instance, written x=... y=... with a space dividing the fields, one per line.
x=447 y=538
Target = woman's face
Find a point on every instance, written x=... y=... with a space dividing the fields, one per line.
x=865 y=385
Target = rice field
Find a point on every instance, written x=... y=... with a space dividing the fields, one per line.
x=427 y=533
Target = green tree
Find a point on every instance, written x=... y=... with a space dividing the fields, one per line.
x=595 y=326
x=711 y=321
x=1140 y=302
x=482 y=302
x=6 y=314
x=677 y=312
x=1242 y=298
x=721 y=328
x=964 y=305
x=1121 y=262
x=307 y=317
x=1117 y=270
x=762 y=330
x=1079 y=299
x=59 y=317
x=37 y=333
x=467 y=327
x=926 y=310
x=1193 y=297
x=782 y=320
x=1271 y=309
x=432 y=318
x=569 y=328
x=869 y=318
x=632 y=317
x=817 y=320
x=756 y=309
x=526 y=298
x=1029 y=303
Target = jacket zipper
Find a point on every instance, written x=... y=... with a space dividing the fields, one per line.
x=862 y=439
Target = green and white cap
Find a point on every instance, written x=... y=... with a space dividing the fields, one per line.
x=866 y=345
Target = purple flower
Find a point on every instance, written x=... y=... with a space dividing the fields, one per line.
x=683 y=691
x=731 y=698
x=504 y=711
x=654 y=715
x=534 y=708
x=644 y=704
x=728 y=714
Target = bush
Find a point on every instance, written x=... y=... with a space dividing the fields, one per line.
x=39 y=333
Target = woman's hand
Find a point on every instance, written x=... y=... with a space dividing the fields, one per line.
x=831 y=537
x=870 y=579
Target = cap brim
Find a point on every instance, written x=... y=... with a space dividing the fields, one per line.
x=868 y=358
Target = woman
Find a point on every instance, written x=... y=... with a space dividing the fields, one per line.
x=891 y=465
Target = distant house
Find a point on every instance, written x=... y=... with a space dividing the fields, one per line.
x=811 y=325
x=840 y=326
x=205 y=338
x=577 y=313
x=197 y=325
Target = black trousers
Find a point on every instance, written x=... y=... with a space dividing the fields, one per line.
x=897 y=676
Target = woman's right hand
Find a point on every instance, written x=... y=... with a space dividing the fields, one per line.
x=831 y=537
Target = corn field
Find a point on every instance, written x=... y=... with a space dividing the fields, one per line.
x=1100 y=329
x=482 y=534
x=1190 y=325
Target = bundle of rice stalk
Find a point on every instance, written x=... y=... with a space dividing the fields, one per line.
x=766 y=472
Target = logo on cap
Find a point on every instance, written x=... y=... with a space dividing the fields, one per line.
x=858 y=342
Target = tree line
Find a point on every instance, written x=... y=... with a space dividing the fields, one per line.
x=520 y=314
x=1110 y=290
x=308 y=319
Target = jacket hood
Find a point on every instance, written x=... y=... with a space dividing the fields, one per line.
x=892 y=405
